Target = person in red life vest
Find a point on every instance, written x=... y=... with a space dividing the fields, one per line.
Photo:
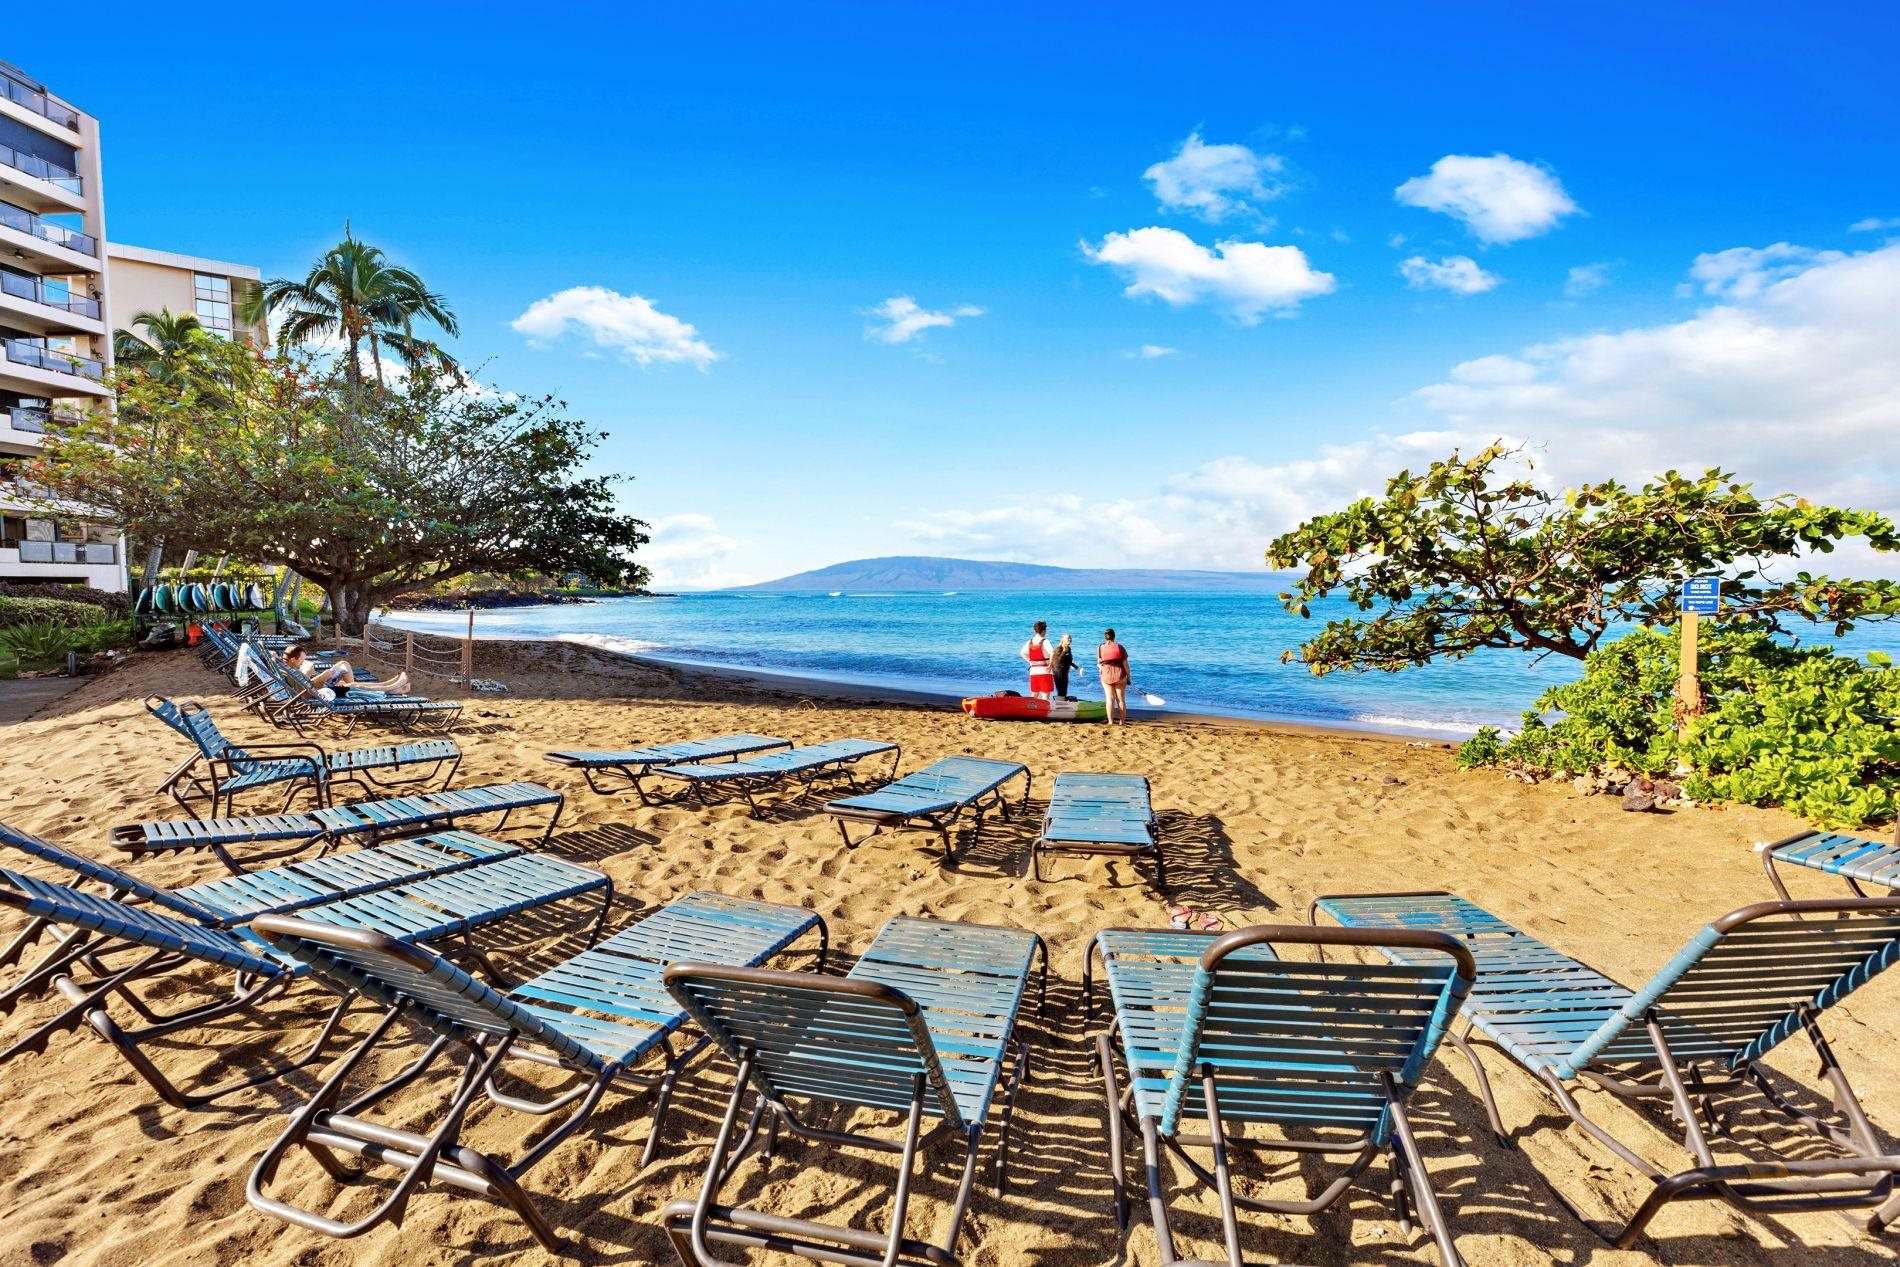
x=1112 y=659
x=1035 y=653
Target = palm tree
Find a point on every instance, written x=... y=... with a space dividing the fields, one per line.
x=169 y=337
x=356 y=294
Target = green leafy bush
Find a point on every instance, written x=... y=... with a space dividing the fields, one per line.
x=1482 y=749
x=58 y=611
x=1800 y=727
x=45 y=641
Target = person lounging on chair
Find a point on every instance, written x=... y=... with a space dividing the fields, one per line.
x=1691 y=1039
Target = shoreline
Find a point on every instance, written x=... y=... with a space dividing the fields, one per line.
x=878 y=693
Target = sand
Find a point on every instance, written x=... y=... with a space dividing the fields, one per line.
x=1256 y=822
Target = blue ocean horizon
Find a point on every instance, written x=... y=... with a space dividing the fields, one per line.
x=1203 y=652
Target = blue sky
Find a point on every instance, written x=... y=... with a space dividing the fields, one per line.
x=1347 y=239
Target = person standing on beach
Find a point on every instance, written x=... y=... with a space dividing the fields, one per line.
x=1111 y=658
x=1035 y=654
x=1061 y=664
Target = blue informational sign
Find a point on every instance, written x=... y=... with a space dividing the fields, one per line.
x=1702 y=595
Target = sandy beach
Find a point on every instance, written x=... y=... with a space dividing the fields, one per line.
x=1256 y=821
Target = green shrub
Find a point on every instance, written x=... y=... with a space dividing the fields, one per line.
x=1482 y=749
x=44 y=641
x=59 y=611
x=1800 y=727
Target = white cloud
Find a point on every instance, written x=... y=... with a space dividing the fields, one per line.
x=904 y=320
x=1149 y=352
x=1791 y=384
x=1789 y=380
x=690 y=552
x=1242 y=279
x=1215 y=181
x=1499 y=199
x=1459 y=274
x=629 y=326
x=1588 y=279
x=1874 y=224
x=1219 y=515
x=1744 y=272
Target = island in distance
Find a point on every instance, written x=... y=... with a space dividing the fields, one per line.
x=906 y=573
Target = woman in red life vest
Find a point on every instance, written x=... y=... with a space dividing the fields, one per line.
x=1035 y=653
x=1112 y=659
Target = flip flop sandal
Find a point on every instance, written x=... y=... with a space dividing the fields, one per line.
x=1178 y=916
x=1210 y=922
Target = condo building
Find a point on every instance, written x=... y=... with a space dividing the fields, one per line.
x=63 y=290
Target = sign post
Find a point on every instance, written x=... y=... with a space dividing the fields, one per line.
x=1701 y=596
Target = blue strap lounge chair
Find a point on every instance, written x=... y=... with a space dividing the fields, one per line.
x=764 y=772
x=1858 y=862
x=597 y=1016
x=426 y=889
x=936 y=797
x=228 y=769
x=362 y=823
x=1691 y=1038
x=610 y=772
x=156 y=940
x=1099 y=813
x=285 y=697
x=1221 y=1028
x=923 y=1026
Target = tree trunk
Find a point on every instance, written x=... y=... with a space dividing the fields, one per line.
x=376 y=357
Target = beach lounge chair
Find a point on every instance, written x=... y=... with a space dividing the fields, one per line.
x=229 y=769
x=936 y=797
x=598 y=1016
x=1691 y=1039
x=922 y=1026
x=157 y=940
x=1099 y=813
x=285 y=697
x=1219 y=1027
x=362 y=823
x=1857 y=861
x=610 y=772
x=751 y=777
x=427 y=889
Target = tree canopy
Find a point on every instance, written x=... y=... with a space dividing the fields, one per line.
x=368 y=491
x=1475 y=553
x=355 y=294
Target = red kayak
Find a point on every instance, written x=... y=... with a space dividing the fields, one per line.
x=1028 y=708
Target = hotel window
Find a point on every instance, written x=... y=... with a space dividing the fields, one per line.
x=213 y=296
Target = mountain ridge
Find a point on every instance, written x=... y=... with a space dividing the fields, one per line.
x=922 y=573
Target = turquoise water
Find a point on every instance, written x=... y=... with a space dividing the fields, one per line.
x=1201 y=652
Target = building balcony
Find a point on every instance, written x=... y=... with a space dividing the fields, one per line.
x=30 y=97
x=32 y=370
x=38 y=243
x=43 y=185
x=93 y=563
x=32 y=304
x=23 y=428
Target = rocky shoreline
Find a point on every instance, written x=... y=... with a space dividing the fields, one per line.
x=496 y=598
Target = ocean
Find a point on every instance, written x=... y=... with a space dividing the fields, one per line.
x=1203 y=652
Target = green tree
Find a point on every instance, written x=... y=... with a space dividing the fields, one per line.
x=368 y=492
x=354 y=293
x=1474 y=553
x=166 y=345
